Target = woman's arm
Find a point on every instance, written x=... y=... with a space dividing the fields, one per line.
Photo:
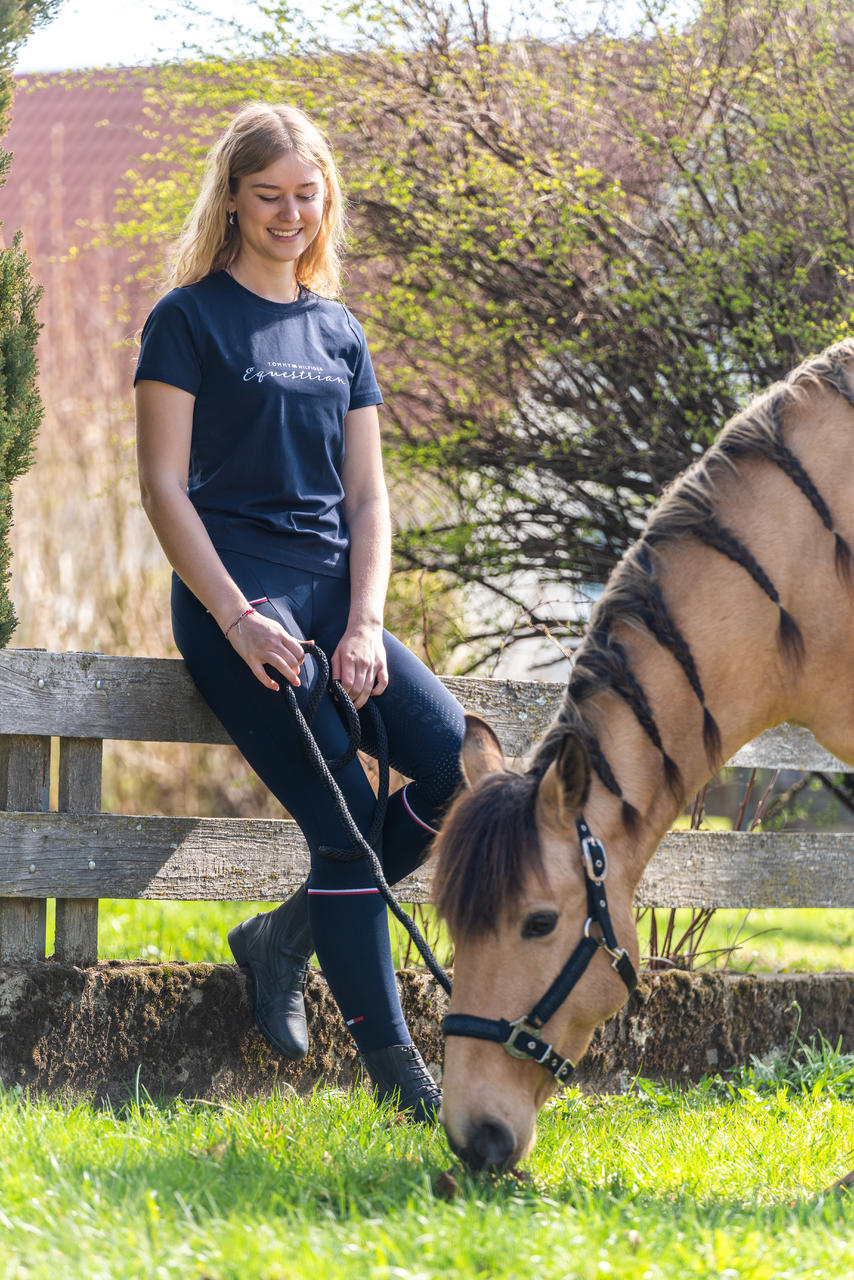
x=359 y=661
x=164 y=424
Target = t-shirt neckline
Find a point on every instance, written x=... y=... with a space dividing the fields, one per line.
x=281 y=308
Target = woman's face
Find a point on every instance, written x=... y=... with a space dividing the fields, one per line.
x=279 y=209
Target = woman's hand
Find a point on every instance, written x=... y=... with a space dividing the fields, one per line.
x=359 y=662
x=259 y=641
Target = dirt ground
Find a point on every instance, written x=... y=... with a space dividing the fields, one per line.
x=187 y=1029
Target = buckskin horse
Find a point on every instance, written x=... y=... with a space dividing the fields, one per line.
x=731 y=613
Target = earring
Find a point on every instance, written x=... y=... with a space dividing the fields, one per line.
x=231 y=218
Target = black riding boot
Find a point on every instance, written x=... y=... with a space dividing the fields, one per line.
x=399 y=1073
x=275 y=947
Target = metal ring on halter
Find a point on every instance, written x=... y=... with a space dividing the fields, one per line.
x=616 y=953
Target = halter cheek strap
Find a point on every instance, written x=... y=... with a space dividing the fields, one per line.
x=522 y=1038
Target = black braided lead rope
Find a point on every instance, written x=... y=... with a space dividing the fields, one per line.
x=348 y=712
x=362 y=848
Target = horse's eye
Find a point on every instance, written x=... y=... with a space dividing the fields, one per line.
x=539 y=924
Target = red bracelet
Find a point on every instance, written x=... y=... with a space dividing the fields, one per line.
x=237 y=621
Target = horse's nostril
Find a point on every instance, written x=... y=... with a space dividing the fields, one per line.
x=492 y=1143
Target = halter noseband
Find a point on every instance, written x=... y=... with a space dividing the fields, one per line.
x=522 y=1038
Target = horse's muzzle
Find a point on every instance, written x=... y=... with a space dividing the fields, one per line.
x=490 y=1146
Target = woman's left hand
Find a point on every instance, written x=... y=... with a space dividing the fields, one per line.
x=359 y=662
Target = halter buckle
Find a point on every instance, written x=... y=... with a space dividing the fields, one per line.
x=593 y=854
x=533 y=1047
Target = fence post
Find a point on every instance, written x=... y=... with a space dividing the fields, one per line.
x=24 y=787
x=79 y=792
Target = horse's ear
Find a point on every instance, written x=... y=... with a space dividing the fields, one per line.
x=566 y=782
x=481 y=751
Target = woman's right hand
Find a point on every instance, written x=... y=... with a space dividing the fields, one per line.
x=261 y=641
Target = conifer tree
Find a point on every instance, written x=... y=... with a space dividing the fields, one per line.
x=20 y=405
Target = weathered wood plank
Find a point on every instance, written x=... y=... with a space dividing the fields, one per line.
x=518 y=710
x=750 y=869
x=80 y=764
x=25 y=778
x=113 y=856
x=80 y=761
x=91 y=695
x=788 y=747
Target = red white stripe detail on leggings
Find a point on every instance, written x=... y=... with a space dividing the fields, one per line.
x=340 y=893
x=409 y=809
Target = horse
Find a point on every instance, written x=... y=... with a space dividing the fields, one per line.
x=733 y=612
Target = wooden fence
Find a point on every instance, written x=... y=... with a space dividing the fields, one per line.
x=79 y=854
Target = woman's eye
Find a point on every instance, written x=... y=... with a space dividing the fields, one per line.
x=539 y=924
x=268 y=199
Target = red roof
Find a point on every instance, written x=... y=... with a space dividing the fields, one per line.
x=73 y=136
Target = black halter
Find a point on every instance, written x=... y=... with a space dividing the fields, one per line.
x=522 y=1038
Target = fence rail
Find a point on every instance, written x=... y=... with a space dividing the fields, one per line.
x=79 y=854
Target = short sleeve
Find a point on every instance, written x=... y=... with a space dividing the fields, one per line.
x=364 y=389
x=169 y=347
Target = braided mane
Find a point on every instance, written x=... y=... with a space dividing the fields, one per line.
x=475 y=876
x=687 y=508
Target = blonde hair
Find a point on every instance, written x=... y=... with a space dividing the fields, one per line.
x=259 y=135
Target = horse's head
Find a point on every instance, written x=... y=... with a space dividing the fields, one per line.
x=511 y=884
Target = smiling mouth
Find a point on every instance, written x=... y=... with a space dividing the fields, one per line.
x=284 y=235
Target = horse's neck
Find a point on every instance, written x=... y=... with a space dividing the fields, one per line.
x=732 y=633
x=733 y=627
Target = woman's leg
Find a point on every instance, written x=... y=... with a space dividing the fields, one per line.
x=425 y=726
x=258 y=719
x=347 y=914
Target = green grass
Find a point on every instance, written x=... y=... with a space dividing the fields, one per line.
x=188 y=931
x=812 y=939
x=724 y=1180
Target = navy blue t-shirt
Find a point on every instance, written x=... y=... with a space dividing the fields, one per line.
x=273 y=382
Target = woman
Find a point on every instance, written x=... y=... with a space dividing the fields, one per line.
x=261 y=472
